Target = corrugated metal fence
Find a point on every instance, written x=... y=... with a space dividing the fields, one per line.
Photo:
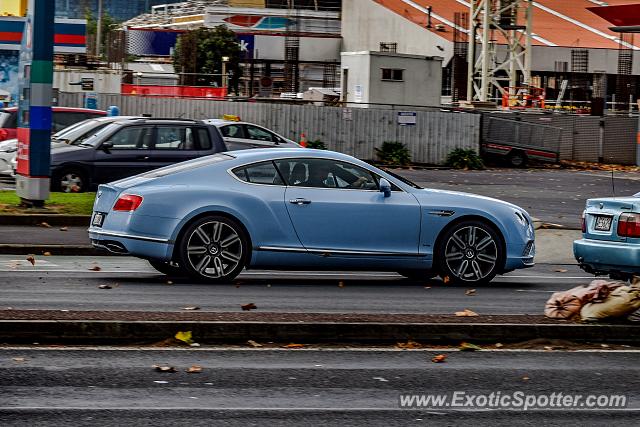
x=586 y=138
x=355 y=131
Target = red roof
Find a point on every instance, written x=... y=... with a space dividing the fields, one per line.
x=619 y=16
x=555 y=23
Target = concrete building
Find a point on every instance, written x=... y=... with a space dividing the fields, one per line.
x=370 y=78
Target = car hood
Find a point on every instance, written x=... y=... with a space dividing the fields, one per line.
x=65 y=152
x=459 y=195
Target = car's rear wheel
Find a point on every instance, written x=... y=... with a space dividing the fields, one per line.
x=172 y=269
x=517 y=159
x=213 y=249
x=470 y=253
x=417 y=275
x=71 y=181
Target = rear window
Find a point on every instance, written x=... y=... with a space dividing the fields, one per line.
x=259 y=173
x=179 y=167
x=8 y=120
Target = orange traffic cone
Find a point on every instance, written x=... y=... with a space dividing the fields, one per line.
x=303 y=140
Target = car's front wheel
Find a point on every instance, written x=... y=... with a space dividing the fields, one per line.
x=213 y=249
x=470 y=253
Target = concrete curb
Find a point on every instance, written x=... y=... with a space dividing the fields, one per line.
x=18 y=249
x=51 y=219
x=206 y=332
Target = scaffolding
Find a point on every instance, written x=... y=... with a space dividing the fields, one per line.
x=291 y=51
x=459 y=64
x=624 y=82
x=493 y=23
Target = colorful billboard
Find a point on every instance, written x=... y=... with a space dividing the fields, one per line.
x=149 y=42
x=69 y=34
x=8 y=74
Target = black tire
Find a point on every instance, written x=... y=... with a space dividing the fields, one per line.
x=214 y=249
x=470 y=253
x=417 y=275
x=71 y=180
x=517 y=159
x=171 y=269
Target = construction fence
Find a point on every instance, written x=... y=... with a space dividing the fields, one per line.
x=430 y=134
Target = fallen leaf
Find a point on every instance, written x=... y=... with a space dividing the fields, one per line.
x=45 y=225
x=191 y=308
x=185 y=337
x=604 y=345
x=252 y=343
x=95 y=268
x=465 y=346
x=408 y=345
x=194 y=369
x=164 y=368
x=104 y=287
x=64 y=228
x=161 y=382
x=499 y=345
x=525 y=378
x=561 y=270
x=381 y=379
x=440 y=358
x=31 y=259
x=194 y=344
x=18 y=359
x=470 y=292
x=446 y=279
x=169 y=282
x=341 y=284
x=427 y=287
x=247 y=307
x=548 y=348
x=292 y=345
x=466 y=313
x=47 y=254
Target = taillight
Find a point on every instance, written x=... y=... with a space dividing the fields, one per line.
x=584 y=223
x=128 y=202
x=629 y=225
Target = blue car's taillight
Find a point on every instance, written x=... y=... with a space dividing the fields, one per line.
x=629 y=225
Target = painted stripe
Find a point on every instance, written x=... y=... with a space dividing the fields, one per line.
x=40 y=118
x=12 y=26
x=41 y=94
x=585 y=26
x=6 y=36
x=433 y=15
x=69 y=39
x=72 y=29
x=41 y=71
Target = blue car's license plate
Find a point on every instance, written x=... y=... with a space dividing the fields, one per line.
x=98 y=219
x=603 y=223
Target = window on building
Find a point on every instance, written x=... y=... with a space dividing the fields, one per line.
x=393 y=74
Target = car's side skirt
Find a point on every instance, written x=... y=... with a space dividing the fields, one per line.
x=329 y=252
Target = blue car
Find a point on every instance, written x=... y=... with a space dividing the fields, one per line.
x=303 y=209
x=611 y=237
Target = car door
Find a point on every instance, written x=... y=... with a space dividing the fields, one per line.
x=130 y=154
x=177 y=143
x=336 y=206
x=234 y=137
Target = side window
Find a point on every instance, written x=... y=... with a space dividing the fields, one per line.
x=175 y=138
x=204 y=139
x=89 y=133
x=323 y=173
x=132 y=138
x=259 y=134
x=232 y=131
x=259 y=173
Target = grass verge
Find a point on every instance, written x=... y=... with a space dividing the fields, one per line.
x=58 y=203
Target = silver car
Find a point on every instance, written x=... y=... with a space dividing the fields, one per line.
x=239 y=135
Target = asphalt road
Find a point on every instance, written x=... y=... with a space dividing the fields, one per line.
x=552 y=195
x=332 y=387
x=69 y=283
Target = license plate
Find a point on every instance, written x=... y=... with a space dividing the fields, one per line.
x=98 y=219
x=603 y=223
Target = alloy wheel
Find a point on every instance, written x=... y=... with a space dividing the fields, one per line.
x=214 y=249
x=71 y=183
x=471 y=253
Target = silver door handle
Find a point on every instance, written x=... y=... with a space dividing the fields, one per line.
x=300 y=201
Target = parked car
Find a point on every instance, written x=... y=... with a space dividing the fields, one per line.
x=610 y=241
x=242 y=135
x=128 y=147
x=306 y=209
x=62 y=117
x=73 y=135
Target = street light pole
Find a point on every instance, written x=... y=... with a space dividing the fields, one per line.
x=225 y=59
x=99 y=29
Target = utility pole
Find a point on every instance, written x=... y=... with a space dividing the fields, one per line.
x=99 y=29
x=496 y=25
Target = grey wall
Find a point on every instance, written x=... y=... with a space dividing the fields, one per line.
x=355 y=132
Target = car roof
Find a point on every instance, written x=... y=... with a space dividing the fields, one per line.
x=223 y=122
x=259 y=154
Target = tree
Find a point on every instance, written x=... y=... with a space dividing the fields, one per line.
x=198 y=54
x=109 y=24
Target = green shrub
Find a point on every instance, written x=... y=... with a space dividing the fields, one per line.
x=464 y=159
x=317 y=144
x=395 y=153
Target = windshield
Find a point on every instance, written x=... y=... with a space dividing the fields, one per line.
x=78 y=133
x=403 y=179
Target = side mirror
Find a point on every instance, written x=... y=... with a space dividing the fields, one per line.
x=385 y=187
x=106 y=146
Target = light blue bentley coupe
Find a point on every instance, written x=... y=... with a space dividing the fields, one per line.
x=303 y=209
